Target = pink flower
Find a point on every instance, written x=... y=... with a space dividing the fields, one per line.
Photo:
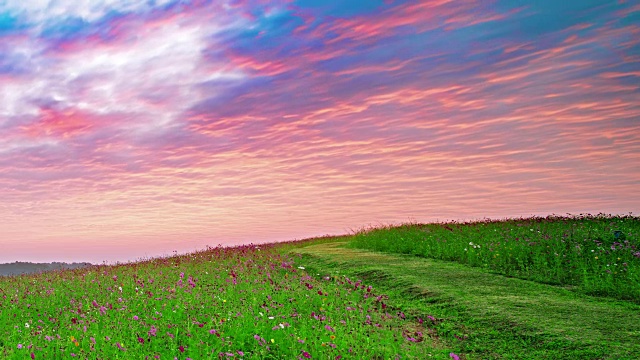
x=306 y=354
x=153 y=331
x=135 y=317
x=181 y=348
x=454 y=356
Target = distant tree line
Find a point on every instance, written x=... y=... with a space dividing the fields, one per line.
x=18 y=268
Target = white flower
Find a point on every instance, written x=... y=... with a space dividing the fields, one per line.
x=301 y=267
x=261 y=314
x=120 y=288
x=465 y=249
x=281 y=325
x=271 y=317
x=26 y=325
x=471 y=243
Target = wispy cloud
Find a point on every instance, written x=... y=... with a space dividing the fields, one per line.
x=133 y=128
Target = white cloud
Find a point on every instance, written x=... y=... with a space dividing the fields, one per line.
x=39 y=11
x=150 y=74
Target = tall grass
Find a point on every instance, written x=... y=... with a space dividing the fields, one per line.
x=596 y=254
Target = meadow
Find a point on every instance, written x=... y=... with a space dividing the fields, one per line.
x=242 y=302
x=371 y=295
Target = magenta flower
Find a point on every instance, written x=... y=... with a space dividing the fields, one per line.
x=153 y=331
x=140 y=340
x=135 y=317
x=454 y=356
x=19 y=346
x=181 y=348
x=306 y=355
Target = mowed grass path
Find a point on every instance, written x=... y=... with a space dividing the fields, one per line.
x=486 y=315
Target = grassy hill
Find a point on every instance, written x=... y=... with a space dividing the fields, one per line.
x=409 y=292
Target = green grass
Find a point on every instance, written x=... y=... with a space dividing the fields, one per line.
x=481 y=315
x=326 y=299
x=597 y=255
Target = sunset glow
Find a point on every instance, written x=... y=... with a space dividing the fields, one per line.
x=133 y=129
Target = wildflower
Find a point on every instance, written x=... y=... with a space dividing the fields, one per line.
x=306 y=354
x=19 y=346
x=152 y=331
x=454 y=356
x=240 y=353
x=272 y=341
x=135 y=317
x=140 y=340
x=302 y=268
x=181 y=348
x=26 y=325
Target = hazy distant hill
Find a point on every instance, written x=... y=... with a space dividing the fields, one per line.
x=18 y=268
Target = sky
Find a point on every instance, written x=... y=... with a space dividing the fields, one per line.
x=138 y=128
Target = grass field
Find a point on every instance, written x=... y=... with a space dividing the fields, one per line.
x=349 y=298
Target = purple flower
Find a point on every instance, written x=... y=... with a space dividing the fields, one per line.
x=19 y=346
x=454 y=356
x=329 y=328
x=306 y=355
x=140 y=340
x=135 y=317
x=153 y=331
